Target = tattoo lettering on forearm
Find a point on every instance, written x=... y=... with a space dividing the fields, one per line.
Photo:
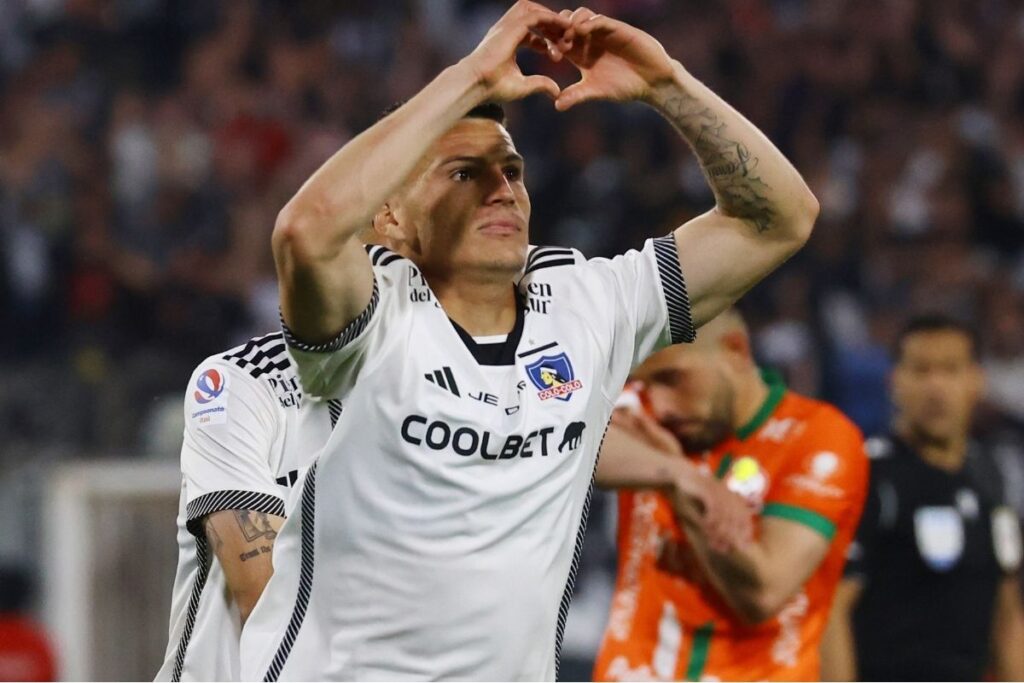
x=255 y=525
x=256 y=552
x=727 y=164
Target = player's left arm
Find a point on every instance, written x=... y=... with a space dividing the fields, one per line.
x=806 y=504
x=764 y=210
x=243 y=542
x=1008 y=632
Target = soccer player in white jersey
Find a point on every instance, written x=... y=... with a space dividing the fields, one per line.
x=436 y=535
x=248 y=432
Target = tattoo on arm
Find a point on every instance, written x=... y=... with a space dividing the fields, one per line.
x=212 y=537
x=727 y=164
x=254 y=525
x=256 y=552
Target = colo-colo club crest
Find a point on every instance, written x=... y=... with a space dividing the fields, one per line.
x=554 y=377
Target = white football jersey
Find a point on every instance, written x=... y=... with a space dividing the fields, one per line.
x=248 y=432
x=438 y=533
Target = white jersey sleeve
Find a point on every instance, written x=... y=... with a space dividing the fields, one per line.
x=330 y=370
x=650 y=307
x=230 y=428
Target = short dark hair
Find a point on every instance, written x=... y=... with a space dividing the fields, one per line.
x=935 y=322
x=491 y=111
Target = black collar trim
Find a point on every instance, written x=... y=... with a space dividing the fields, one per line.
x=502 y=353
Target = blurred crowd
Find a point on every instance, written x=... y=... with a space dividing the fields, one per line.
x=146 y=147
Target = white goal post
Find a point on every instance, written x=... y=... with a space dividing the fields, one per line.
x=108 y=555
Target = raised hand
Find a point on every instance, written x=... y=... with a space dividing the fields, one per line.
x=526 y=24
x=617 y=62
x=701 y=503
x=704 y=504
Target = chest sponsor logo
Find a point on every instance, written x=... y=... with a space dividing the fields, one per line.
x=211 y=394
x=467 y=441
x=572 y=436
x=1006 y=538
x=554 y=377
x=939 y=532
x=748 y=479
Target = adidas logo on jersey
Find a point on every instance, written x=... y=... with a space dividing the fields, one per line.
x=444 y=379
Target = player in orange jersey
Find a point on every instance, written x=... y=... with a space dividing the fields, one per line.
x=684 y=609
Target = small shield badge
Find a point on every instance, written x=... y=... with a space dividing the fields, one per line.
x=939 y=531
x=554 y=377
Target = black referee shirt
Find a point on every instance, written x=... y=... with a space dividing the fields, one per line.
x=931 y=550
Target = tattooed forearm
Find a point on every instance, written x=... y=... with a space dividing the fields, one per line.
x=255 y=525
x=728 y=164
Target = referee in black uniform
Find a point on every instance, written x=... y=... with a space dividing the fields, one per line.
x=931 y=591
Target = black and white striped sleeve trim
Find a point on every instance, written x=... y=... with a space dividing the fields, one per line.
x=680 y=319
x=345 y=337
x=202 y=573
x=208 y=503
x=307 y=558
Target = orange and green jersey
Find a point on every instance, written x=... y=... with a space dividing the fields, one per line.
x=798 y=459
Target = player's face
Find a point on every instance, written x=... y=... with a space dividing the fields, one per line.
x=936 y=384
x=467 y=210
x=691 y=396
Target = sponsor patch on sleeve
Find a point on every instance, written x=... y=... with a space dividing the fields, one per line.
x=209 y=404
x=1006 y=538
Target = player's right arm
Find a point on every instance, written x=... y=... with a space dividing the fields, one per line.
x=325 y=277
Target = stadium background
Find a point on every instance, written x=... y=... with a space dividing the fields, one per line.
x=146 y=146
